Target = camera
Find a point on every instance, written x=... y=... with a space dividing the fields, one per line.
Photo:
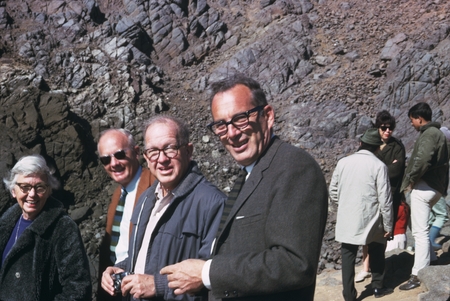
x=117 y=280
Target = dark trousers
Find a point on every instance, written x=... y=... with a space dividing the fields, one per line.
x=376 y=263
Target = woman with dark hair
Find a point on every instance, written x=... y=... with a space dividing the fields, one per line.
x=43 y=256
x=392 y=153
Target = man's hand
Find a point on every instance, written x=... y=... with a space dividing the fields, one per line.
x=107 y=281
x=139 y=286
x=185 y=277
x=387 y=234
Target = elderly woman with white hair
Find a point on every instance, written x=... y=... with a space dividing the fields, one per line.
x=43 y=256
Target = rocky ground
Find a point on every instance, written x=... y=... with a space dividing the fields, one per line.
x=398 y=268
x=69 y=69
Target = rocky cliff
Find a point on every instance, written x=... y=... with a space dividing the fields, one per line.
x=70 y=69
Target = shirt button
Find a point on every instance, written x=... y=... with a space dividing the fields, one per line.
x=235 y=293
x=17 y=275
x=226 y=294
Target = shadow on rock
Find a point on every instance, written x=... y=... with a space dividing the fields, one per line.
x=398 y=267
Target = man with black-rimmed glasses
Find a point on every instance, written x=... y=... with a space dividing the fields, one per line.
x=269 y=244
x=175 y=219
x=119 y=155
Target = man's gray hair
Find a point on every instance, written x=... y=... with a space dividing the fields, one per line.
x=182 y=128
x=31 y=165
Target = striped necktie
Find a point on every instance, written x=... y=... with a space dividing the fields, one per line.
x=232 y=196
x=115 y=233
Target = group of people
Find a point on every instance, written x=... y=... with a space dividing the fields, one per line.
x=171 y=234
x=370 y=186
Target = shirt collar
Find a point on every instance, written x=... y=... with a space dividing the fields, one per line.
x=159 y=192
x=249 y=169
x=132 y=185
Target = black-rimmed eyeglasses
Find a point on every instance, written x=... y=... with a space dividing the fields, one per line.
x=170 y=151
x=385 y=127
x=239 y=121
x=119 y=155
x=38 y=189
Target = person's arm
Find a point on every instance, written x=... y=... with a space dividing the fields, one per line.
x=293 y=236
x=185 y=277
x=396 y=166
x=293 y=231
x=212 y=212
x=140 y=286
x=106 y=281
x=385 y=199
x=421 y=161
x=333 y=190
x=71 y=261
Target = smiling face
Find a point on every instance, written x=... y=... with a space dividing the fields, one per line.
x=120 y=170
x=168 y=171
x=387 y=133
x=31 y=202
x=245 y=145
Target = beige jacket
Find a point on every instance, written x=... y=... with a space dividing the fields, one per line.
x=360 y=185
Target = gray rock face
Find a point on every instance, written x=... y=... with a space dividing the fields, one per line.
x=70 y=69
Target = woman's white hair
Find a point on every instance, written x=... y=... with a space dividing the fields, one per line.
x=31 y=165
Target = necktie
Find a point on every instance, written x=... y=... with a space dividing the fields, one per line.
x=232 y=196
x=115 y=233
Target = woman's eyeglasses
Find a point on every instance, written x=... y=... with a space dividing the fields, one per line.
x=119 y=155
x=385 y=127
x=38 y=189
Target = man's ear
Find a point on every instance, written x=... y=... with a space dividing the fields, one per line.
x=190 y=150
x=269 y=113
x=136 y=150
x=422 y=120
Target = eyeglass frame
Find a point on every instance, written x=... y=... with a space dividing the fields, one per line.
x=390 y=127
x=175 y=147
x=108 y=157
x=227 y=123
x=35 y=187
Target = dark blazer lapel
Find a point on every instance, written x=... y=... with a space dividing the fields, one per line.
x=255 y=178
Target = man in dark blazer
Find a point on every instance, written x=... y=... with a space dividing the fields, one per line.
x=269 y=246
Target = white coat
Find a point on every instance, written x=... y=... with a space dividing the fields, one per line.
x=360 y=185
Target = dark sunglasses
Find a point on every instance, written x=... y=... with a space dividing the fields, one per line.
x=119 y=155
x=384 y=128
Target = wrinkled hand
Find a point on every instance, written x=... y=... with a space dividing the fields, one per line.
x=139 y=286
x=185 y=277
x=107 y=281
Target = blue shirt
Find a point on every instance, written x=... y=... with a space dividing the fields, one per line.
x=20 y=226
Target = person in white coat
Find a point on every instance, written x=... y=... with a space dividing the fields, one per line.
x=360 y=185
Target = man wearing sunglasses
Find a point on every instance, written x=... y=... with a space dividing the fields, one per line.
x=119 y=155
x=175 y=219
x=269 y=245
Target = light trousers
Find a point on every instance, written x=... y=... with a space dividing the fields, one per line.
x=438 y=215
x=423 y=197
